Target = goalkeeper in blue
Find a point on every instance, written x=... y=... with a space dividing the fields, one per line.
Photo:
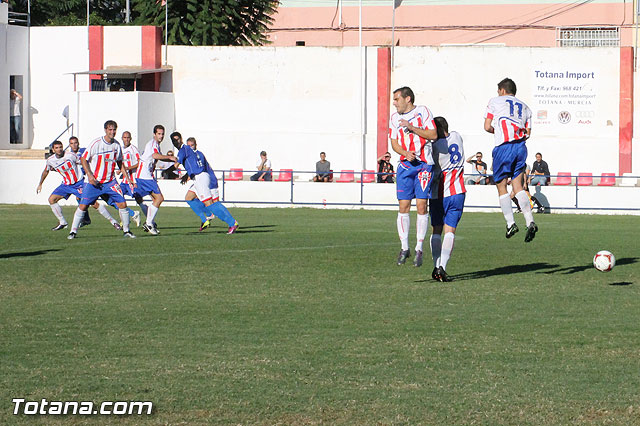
x=202 y=195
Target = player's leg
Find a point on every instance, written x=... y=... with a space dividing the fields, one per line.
x=519 y=187
x=436 y=212
x=90 y=194
x=102 y=209
x=453 y=207
x=422 y=225
x=502 y=169
x=198 y=207
x=57 y=211
x=157 y=200
x=208 y=193
x=405 y=190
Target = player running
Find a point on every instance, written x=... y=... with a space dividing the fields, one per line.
x=205 y=183
x=410 y=129
x=448 y=153
x=509 y=119
x=146 y=184
x=99 y=163
x=66 y=163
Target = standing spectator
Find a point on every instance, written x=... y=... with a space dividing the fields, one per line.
x=479 y=169
x=264 y=168
x=323 y=169
x=539 y=172
x=15 y=107
x=385 y=169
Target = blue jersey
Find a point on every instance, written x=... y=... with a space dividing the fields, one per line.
x=195 y=163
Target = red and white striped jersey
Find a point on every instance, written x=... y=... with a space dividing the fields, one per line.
x=449 y=156
x=67 y=166
x=103 y=156
x=147 y=163
x=421 y=117
x=130 y=157
x=510 y=117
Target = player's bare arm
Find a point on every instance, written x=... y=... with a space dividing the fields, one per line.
x=126 y=174
x=161 y=157
x=87 y=170
x=430 y=134
x=410 y=156
x=45 y=172
x=487 y=125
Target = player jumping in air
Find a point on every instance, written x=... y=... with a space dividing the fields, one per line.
x=509 y=119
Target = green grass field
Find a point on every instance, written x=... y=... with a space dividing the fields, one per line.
x=303 y=317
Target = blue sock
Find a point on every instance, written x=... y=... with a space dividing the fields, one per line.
x=221 y=213
x=131 y=212
x=198 y=208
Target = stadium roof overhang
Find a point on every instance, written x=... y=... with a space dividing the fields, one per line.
x=123 y=71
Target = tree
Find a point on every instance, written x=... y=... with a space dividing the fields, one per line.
x=210 y=22
x=72 y=12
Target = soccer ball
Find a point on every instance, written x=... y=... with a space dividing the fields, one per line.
x=604 y=261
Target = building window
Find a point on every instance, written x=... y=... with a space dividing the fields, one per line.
x=588 y=37
x=300 y=43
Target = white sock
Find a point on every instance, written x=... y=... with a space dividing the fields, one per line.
x=507 y=210
x=422 y=224
x=57 y=211
x=403 y=223
x=447 y=248
x=144 y=209
x=124 y=216
x=77 y=218
x=151 y=214
x=436 y=247
x=525 y=206
x=104 y=212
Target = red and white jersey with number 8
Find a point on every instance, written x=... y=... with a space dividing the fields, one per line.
x=448 y=154
x=510 y=117
x=103 y=156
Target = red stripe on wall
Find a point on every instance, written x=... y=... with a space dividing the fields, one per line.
x=384 y=98
x=151 y=57
x=626 y=109
x=96 y=51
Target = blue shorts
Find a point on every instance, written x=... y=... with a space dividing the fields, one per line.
x=67 y=190
x=111 y=189
x=126 y=189
x=146 y=187
x=509 y=160
x=414 y=181
x=447 y=210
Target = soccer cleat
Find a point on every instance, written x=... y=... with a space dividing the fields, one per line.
x=150 y=229
x=204 y=225
x=59 y=227
x=442 y=275
x=233 y=229
x=531 y=232
x=136 y=219
x=71 y=236
x=403 y=256
x=511 y=230
x=434 y=274
x=128 y=234
x=417 y=261
x=117 y=226
x=85 y=222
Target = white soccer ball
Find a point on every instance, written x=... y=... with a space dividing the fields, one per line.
x=604 y=261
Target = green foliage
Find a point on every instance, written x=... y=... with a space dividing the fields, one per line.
x=210 y=22
x=73 y=12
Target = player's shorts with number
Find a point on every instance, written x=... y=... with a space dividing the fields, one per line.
x=126 y=189
x=67 y=190
x=146 y=187
x=204 y=187
x=414 y=180
x=111 y=189
x=509 y=160
x=447 y=210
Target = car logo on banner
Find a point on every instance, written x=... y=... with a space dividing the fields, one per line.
x=424 y=177
x=564 y=117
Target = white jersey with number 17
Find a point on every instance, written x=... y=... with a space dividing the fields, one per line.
x=510 y=117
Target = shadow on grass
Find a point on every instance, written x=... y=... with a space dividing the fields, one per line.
x=581 y=268
x=26 y=253
x=503 y=270
x=622 y=283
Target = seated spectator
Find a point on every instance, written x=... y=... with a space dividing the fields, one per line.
x=168 y=169
x=323 y=169
x=264 y=168
x=539 y=172
x=385 y=169
x=479 y=169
